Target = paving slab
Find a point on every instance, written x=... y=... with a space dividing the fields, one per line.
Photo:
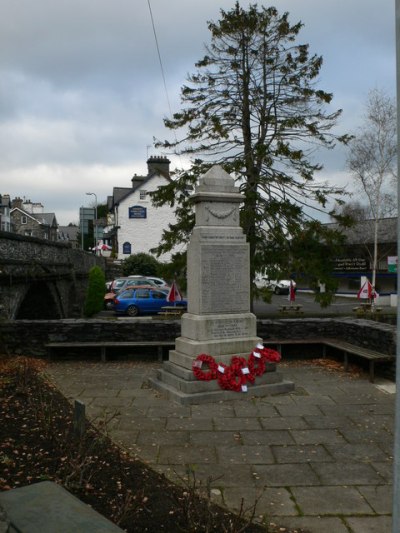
x=284 y=475
x=316 y=524
x=376 y=524
x=182 y=455
x=379 y=497
x=268 y=501
x=259 y=454
x=363 y=452
x=287 y=423
x=318 y=436
x=302 y=454
x=268 y=436
x=325 y=500
x=349 y=474
x=213 y=437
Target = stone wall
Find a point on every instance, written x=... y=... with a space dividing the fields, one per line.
x=51 y=276
x=374 y=335
x=28 y=337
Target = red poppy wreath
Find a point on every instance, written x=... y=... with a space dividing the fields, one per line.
x=230 y=380
x=202 y=361
x=272 y=356
x=257 y=364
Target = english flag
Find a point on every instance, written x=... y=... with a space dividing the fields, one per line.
x=174 y=295
x=292 y=292
x=367 y=291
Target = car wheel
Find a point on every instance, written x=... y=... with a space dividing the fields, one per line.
x=132 y=310
x=277 y=290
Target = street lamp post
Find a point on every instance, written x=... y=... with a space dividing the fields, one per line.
x=95 y=220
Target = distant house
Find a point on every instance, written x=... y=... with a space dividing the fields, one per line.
x=69 y=234
x=134 y=224
x=28 y=219
x=356 y=260
x=5 y=217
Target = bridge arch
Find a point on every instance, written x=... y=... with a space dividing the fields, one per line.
x=39 y=303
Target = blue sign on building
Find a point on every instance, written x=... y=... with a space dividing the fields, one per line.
x=126 y=248
x=137 y=211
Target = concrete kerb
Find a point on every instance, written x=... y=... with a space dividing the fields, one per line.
x=322 y=454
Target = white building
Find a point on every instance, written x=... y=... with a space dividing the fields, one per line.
x=135 y=225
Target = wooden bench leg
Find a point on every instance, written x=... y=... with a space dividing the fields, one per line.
x=160 y=353
x=323 y=351
x=346 y=361
x=371 y=371
x=103 y=354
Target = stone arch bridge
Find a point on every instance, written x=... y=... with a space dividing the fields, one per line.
x=41 y=279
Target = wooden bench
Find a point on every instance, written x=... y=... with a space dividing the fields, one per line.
x=347 y=348
x=103 y=345
x=172 y=311
x=291 y=308
x=372 y=356
x=366 y=309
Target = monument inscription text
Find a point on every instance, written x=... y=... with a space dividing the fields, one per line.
x=224 y=284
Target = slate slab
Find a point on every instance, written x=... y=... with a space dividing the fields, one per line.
x=47 y=507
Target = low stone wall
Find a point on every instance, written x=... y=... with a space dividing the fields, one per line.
x=28 y=337
x=370 y=334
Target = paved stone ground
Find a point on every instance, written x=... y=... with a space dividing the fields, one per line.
x=318 y=458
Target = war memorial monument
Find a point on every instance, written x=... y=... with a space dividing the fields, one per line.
x=218 y=322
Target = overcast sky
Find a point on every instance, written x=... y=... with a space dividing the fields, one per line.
x=82 y=94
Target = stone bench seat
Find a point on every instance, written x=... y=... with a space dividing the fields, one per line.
x=51 y=347
x=372 y=356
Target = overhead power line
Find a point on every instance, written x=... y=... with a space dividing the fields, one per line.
x=159 y=57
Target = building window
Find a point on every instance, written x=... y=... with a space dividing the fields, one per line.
x=24 y=219
x=142 y=195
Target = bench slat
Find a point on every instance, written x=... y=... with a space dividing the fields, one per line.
x=372 y=356
x=103 y=345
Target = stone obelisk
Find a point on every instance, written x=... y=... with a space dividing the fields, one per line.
x=218 y=322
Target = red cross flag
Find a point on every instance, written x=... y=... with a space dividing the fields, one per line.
x=174 y=295
x=292 y=292
x=367 y=291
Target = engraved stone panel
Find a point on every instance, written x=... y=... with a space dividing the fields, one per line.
x=224 y=282
x=229 y=328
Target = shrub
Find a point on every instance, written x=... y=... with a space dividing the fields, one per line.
x=141 y=264
x=94 y=302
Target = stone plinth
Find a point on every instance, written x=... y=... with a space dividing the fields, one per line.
x=218 y=322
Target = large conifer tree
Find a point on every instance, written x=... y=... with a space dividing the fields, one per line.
x=253 y=106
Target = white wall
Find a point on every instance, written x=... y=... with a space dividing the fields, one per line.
x=143 y=233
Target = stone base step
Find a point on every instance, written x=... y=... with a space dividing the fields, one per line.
x=188 y=375
x=178 y=395
x=198 y=386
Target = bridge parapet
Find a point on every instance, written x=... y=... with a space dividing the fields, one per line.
x=42 y=279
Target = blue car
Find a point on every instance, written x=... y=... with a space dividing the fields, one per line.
x=142 y=300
